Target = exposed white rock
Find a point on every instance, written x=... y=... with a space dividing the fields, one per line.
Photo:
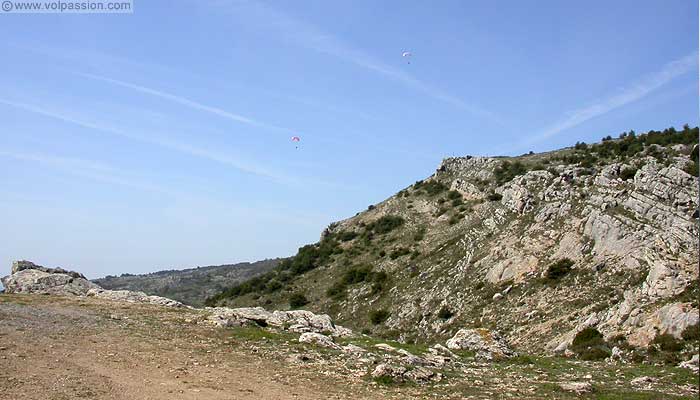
x=487 y=344
x=318 y=339
x=132 y=297
x=670 y=319
x=296 y=321
x=576 y=387
x=693 y=364
x=40 y=282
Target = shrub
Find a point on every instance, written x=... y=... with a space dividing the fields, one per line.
x=628 y=173
x=297 y=300
x=337 y=290
x=385 y=224
x=346 y=236
x=433 y=188
x=418 y=236
x=453 y=195
x=445 y=313
x=559 y=269
x=668 y=343
x=508 y=170
x=396 y=253
x=377 y=317
x=274 y=285
x=590 y=345
x=494 y=196
x=379 y=279
x=454 y=219
x=691 y=333
x=357 y=274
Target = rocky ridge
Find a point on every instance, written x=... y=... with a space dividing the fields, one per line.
x=538 y=247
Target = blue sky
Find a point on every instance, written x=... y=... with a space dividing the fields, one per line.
x=161 y=139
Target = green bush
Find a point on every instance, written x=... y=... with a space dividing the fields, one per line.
x=297 y=300
x=668 y=343
x=558 y=269
x=494 y=196
x=346 y=236
x=453 y=195
x=691 y=333
x=379 y=280
x=337 y=290
x=589 y=345
x=628 y=173
x=433 y=188
x=508 y=170
x=377 y=317
x=385 y=224
x=445 y=313
x=400 y=252
x=357 y=274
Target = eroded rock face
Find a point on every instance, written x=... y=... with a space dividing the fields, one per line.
x=296 y=321
x=670 y=319
x=488 y=345
x=28 y=277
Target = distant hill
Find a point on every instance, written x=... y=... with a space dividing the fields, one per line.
x=190 y=286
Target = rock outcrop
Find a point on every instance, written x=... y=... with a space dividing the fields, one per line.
x=132 y=297
x=28 y=277
x=488 y=345
x=299 y=321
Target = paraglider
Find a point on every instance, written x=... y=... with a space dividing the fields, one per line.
x=407 y=55
x=296 y=139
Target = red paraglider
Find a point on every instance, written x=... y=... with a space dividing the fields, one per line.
x=296 y=139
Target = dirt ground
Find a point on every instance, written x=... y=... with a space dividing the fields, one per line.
x=61 y=348
x=55 y=348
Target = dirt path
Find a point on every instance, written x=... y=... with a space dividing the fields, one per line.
x=70 y=349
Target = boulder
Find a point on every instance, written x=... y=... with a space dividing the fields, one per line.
x=30 y=278
x=693 y=364
x=397 y=373
x=488 y=345
x=576 y=387
x=299 y=321
x=318 y=339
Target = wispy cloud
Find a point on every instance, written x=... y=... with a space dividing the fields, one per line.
x=184 y=101
x=90 y=169
x=195 y=151
x=637 y=91
x=306 y=35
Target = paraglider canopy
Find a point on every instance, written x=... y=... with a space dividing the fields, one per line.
x=296 y=140
x=407 y=55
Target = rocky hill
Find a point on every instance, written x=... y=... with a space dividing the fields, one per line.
x=190 y=286
x=589 y=250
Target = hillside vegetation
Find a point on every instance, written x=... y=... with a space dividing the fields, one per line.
x=538 y=247
x=190 y=286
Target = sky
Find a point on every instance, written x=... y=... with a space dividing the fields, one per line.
x=131 y=143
